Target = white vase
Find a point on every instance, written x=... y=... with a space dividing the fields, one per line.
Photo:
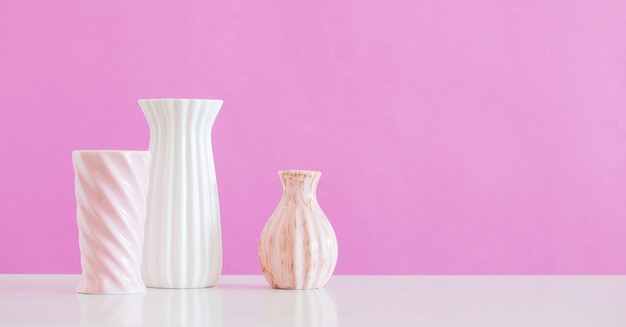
x=183 y=242
x=298 y=246
x=111 y=189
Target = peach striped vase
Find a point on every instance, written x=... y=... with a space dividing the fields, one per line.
x=298 y=247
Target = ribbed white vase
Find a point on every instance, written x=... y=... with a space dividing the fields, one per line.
x=183 y=240
x=298 y=246
x=111 y=189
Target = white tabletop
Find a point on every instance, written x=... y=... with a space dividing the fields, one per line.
x=48 y=300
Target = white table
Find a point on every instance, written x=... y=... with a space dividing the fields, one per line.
x=49 y=300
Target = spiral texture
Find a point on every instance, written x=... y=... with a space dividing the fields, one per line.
x=111 y=189
x=183 y=240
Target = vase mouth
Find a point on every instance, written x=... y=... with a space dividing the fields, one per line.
x=298 y=172
x=178 y=100
x=110 y=151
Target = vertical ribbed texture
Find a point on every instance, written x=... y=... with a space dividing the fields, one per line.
x=298 y=247
x=111 y=189
x=183 y=242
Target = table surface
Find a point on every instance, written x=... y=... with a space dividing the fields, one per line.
x=50 y=300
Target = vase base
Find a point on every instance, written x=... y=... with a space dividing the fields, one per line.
x=111 y=292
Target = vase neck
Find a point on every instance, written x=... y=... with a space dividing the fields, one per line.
x=299 y=184
x=181 y=116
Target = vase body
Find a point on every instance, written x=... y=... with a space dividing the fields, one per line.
x=183 y=242
x=111 y=189
x=298 y=246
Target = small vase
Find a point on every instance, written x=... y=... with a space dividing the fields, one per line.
x=298 y=247
x=111 y=189
x=183 y=242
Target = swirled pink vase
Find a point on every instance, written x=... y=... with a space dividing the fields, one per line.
x=111 y=189
x=298 y=246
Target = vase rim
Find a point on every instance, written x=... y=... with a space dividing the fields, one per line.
x=179 y=100
x=110 y=151
x=299 y=172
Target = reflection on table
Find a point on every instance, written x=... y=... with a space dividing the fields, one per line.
x=298 y=308
x=51 y=300
x=203 y=306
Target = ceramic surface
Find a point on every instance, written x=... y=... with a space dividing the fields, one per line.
x=298 y=246
x=111 y=189
x=183 y=242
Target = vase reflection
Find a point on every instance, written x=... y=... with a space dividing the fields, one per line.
x=111 y=310
x=182 y=307
x=298 y=308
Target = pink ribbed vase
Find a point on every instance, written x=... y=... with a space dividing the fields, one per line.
x=298 y=246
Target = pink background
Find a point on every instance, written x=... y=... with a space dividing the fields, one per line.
x=454 y=137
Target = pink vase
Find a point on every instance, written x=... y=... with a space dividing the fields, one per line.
x=111 y=189
x=298 y=247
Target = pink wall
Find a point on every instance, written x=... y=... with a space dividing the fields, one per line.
x=454 y=137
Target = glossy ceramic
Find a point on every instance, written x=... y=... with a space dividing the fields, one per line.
x=111 y=189
x=183 y=242
x=298 y=246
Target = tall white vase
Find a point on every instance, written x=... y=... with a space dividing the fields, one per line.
x=183 y=240
x=111 y=189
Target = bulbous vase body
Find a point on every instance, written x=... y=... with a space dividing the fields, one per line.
x=298 y=246
x=183 y=242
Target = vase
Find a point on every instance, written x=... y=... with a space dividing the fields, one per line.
x=183 y=242
x=111 y=189
x=298 y=246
